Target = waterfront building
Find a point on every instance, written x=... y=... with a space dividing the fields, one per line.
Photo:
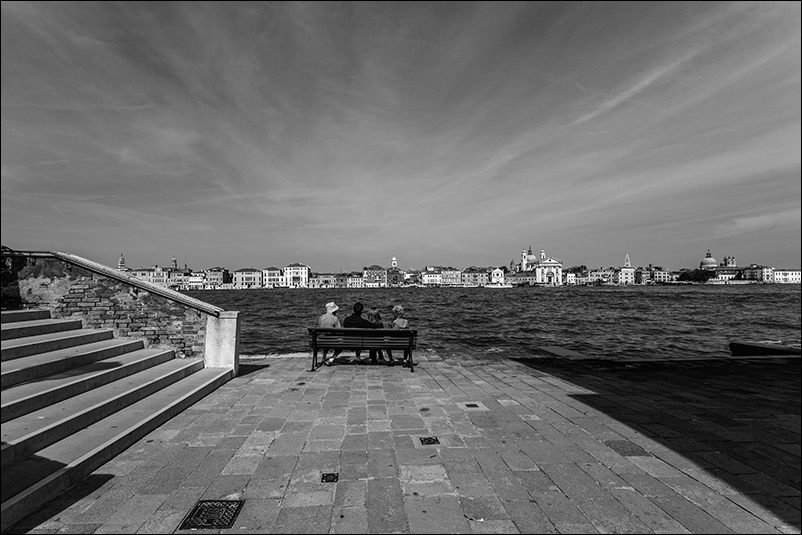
x=475 y=276
x=759 y=273
x=196 y=280
x=272 y=277
x=569 y=279
x=121 y=264
x=451 y=276
x=375 y=276
x=154 y=275
x=395 y=277
x=787 y=276
x=432 y=278
x=546 y=269
x=625 y=275
x=296 y=275
x=661 y=275
x=217 y=277
x=355 y=279
x=522 y=278
x=497 y=276
x=245 y=278
x=601 y=276
x=708 y=262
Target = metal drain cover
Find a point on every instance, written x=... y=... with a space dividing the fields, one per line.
x=330 y=478
x=472 y=405
x=429 y=441
x=212 y=514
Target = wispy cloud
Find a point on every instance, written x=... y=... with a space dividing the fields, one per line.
x=638 y=87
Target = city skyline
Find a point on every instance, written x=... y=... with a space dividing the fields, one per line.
x=339 y=135
x=387 y=265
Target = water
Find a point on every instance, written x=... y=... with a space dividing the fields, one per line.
x=611 y=322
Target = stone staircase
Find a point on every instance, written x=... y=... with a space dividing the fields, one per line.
x=74 y=398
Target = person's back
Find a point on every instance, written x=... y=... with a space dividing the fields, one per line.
x=399 y=322
x=329 y=320
x=356 y=321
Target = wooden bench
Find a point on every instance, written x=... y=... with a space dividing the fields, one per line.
x=403 y=340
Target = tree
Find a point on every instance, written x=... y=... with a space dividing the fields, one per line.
x=697 y=275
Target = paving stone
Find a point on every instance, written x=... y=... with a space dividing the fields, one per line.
x=435 y=514
x=386 y=506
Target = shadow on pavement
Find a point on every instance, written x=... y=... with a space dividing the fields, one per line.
x=738 y=421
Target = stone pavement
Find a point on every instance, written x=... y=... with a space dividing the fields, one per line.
x=537 y=446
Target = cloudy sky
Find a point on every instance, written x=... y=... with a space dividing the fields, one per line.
x=340 y=135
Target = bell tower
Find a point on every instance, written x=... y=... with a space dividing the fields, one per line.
x=394 y=263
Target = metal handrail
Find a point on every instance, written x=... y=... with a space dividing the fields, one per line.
x=111 y=273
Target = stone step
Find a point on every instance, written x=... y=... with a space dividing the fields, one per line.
x=10 y=316
x=25 y=398
x=24 y=347
x=31 y=432
x=35 y=367
x=22 y=329
x=32 y=482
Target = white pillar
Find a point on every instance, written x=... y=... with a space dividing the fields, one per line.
x=222 y=341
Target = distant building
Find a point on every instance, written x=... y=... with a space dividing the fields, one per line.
x=216 y=277
x=475 y=276
x=546 y=269
x=451 y=276
x=355 y=279
x=121 y=264
x=375 y=276
x=787 y=276
x=296 y=275
x=708 y=262
x=246 y=278
x=432 y=278
x=625 y=275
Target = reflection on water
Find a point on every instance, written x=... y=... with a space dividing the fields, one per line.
x=610 y=322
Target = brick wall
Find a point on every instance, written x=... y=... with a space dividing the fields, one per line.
x=100 y=302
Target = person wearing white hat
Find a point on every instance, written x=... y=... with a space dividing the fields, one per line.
x=329 y=320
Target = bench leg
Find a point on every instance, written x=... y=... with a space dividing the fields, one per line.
x=314 y=360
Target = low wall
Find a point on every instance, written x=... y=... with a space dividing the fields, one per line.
x=73 y=287
x=100 y=302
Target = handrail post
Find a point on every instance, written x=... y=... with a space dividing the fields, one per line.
x=222 y=341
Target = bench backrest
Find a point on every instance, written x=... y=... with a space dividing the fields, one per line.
x=363 y=338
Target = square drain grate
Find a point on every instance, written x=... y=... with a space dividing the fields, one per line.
x=330 y=478
x=212 y=514
x=429 y=441
x=472 y=406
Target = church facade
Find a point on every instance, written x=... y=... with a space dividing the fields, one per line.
x=543 y=270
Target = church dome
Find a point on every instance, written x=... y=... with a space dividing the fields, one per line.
x=708 y=262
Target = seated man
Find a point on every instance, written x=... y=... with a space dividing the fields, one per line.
x=356 y=321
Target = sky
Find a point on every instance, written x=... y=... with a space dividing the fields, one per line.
x=340 y=135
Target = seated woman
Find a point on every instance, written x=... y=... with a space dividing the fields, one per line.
x=399 y=322
x=374 y=317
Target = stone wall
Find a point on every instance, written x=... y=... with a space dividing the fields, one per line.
x=101 y=302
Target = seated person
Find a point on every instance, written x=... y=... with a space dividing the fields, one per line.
x=399 y=322
x=356 y=321
x=373 y=316
x=329 y=320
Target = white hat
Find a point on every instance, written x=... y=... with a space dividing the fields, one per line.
x=331 y=307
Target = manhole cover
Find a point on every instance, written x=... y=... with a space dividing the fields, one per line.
x=429 y=441
x=212 y=514
x=330 y=478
